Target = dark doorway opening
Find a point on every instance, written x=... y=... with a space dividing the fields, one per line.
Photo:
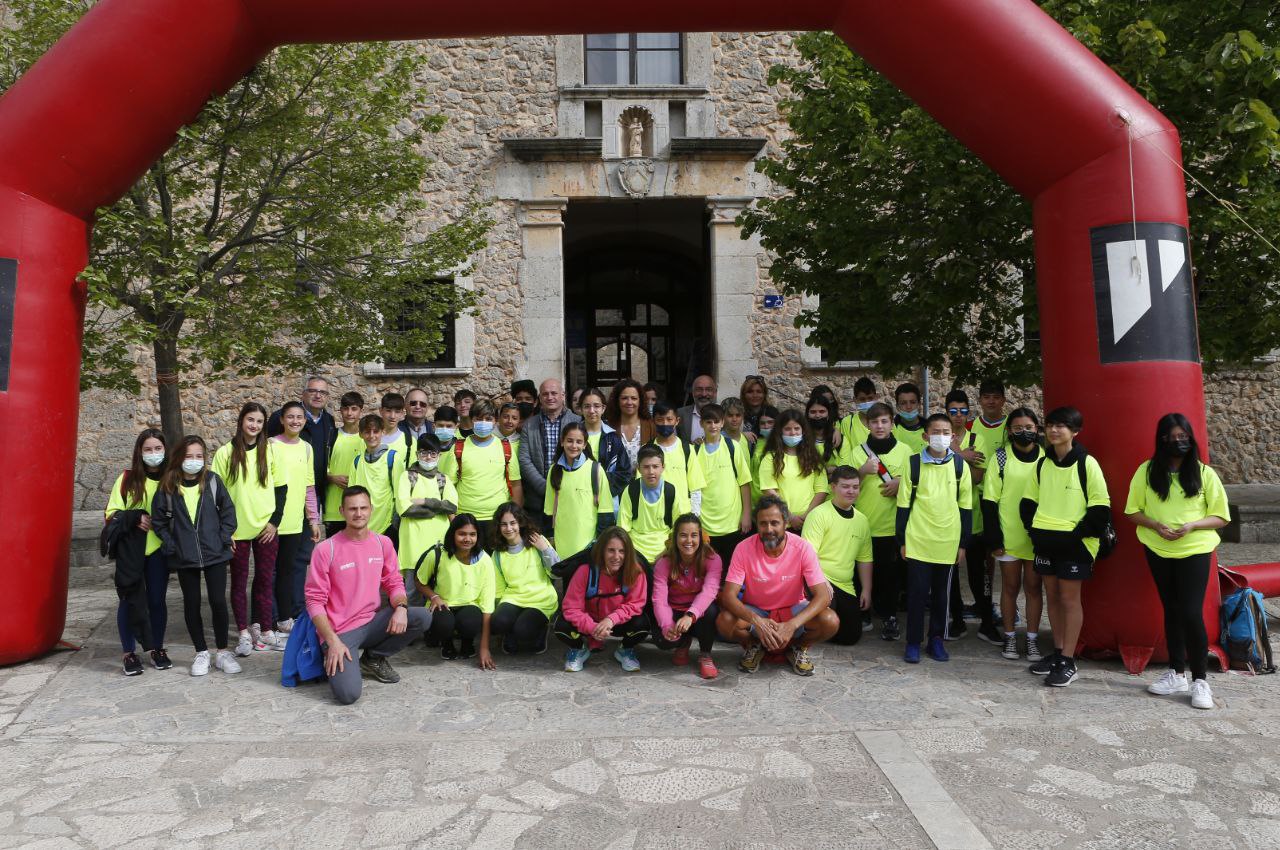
x=637 y=294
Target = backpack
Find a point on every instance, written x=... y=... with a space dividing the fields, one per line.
x=668 y=498
x=1108 y=539
x=595 y=489
x=733 y=459
x=439 y=550
x=459 y=445
x=957 y=463
x=593 y=584
x=1244 y=632
x=391 y=482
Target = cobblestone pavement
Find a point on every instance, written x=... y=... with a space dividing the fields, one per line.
x=868 y=753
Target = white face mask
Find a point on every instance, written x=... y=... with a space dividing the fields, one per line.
x=153 y=460
x=192 y=466
x=939 y=442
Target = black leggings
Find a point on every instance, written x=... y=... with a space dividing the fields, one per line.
x=724 y=545
x=927 y=583
x=632 y=632
x=703 y=628
x=850 y=613
x=465 y=621
x=887 y=578
x=526 y=626
x=215 y=580
x=285 y=556
x=1181 y=583
x=975 y=563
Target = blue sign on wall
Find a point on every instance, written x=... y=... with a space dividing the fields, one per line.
x=773 y=302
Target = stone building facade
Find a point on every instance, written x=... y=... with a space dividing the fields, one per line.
x=615 y=169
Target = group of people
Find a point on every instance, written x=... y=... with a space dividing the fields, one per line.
x=621 y=517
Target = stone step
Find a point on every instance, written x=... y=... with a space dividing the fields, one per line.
x=86 y=526
x=1255 y=513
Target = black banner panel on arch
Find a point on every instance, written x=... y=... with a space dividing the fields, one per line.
x=8 y=293
x=1143 y=293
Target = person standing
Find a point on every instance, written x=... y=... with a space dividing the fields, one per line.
x=483 y=469
x=578 y=503
x=680 y=468
x=1178 y=504
x=908 y=427
x=294 y=464
x=195 y=520
x=704 y=393
x=853 y=427
x=539 y=439
x=628 y=414
x=1065 y=508
x=792 y=469
x=726 y=494
x=378 y=469
x=141 y=575
x=342 y=597
x=755 y=397
x=342 y=457
x=969 y=444
x=417 y=418
x=426 y=501
x=650 y=505
x=392 y=410
x=606 y=444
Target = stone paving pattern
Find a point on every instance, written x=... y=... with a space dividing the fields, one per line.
x=533 y=757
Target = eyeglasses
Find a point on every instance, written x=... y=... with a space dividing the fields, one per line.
x=417 y=404
x=958 y=411
x=317 y=392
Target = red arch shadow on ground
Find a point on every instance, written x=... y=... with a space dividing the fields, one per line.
x=79 y=128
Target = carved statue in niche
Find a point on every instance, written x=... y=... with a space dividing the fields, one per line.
x=635 y=137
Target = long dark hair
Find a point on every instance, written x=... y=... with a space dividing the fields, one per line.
x=672 y=553
x=612 y=410
x=496 y=541
x=811 y=462
x=828 y=432
x=557 y=471
x=134 y=483
x=239 y=450
x=169 y=482
x=462 y=521
x=630 y=566
x=1158 y=474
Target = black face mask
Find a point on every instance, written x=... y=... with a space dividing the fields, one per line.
x=526 y=409
x=1179 y=448
x=1023 y=438
x=817 y=424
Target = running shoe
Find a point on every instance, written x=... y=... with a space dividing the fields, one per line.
x=680 y=657
x=226 y=662
x=1201 y=696
x=378 y=667
x=991 y=634
x=707 y=667
x=509 y=645
x=448 y=651
x=285 y=626
x=751 y=658
x=1063 y=674
x=867 y=625
x=626 y=657
x=891 y=631
x=937 y=650
x=1045 y=665
x=956 y=630
x=200 y=664
x=801 y=663
x=132 y=664
x=1010 y=650
x=912 y=655
x=160 y=659
x=1169 y=683
x=467 y=649
x=574 y=659
x=244 y=646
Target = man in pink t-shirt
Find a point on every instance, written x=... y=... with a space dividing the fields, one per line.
x=343 y=601
x=775 y=595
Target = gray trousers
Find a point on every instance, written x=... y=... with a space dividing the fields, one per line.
x=373 y=638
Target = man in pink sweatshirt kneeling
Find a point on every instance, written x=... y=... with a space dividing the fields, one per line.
x=346 y=608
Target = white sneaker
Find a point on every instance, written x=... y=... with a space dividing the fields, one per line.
x=285 y=626
x=226 y=662
x=270 y=642
x=1169 y=683
x=1201 y=696
x=244 y=646
x=200 y=664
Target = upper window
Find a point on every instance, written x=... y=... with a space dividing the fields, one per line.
x=635 y=59
x=408 y=320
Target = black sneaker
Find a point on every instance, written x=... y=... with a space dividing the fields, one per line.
x=991 y=635
x=509 y=645
x=969 y=611
x=430 y=641
x=160 y=659
x=467 y=650
x=542 y=645
x=1062 y=675
x=1044 y=666
x=890 y=630
x=448 y=651
x=956 y=630
x=867 y=625
x=378 y=667
x=132 y=664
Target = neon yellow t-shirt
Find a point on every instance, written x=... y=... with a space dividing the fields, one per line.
x=796 y=490
x=255 y=503
x=461 y=584
x=722 y=493
x=649 y=533
x=974 y=440
x=994 y=435
x=685 y=480
x=293 y=469
x=482 y=477
x=916 y=439
x=1060 y=504
x=933 y=530
x=841 y=543
x=757 y=454
x=853 y=429
x=880 y=510
x=1006 y=490
x=593 y=440
x=191 y=497
x=1177 y=510
x=342 y=459
x=381 y=478
x=524 y=582
x=574 y=508
x=417 y=535
x=116 y=503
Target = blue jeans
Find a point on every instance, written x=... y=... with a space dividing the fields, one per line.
x=156 y=578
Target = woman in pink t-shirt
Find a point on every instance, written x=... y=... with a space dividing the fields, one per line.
x=686 y=580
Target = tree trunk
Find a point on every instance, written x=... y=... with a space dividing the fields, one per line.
x=165 y=349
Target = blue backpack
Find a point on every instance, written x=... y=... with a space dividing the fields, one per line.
x=1244 y=632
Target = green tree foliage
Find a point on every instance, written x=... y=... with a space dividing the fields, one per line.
x=278 y=231
x=921 y=255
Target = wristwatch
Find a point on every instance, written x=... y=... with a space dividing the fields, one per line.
x=404 y=605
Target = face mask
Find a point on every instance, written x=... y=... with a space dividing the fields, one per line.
x=526 y=409
x=864 y=406
x=792 y=440
x=153 y=460
x=192 y=466
x=428 y=465
x=909 y=417
x=817 y=424
x=765 y=432
x=1178 y=448
x=482 y=429
x=939 y=442
x=1023 y=438
x=666 y=430
x=445 y=434
x=651 y=410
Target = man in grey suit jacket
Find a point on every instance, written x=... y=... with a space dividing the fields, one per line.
x=704 y=393
x=539 y=441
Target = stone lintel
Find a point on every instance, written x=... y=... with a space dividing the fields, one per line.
x=719 y=147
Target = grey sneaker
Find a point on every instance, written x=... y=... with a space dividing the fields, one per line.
x=626 y=657
x=379 y=668
x=1010 y=647
x=750 y=661
x=1033 y=649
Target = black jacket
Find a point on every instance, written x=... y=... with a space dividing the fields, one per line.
x=615 y=460
x=123 y=541
x=185 y=545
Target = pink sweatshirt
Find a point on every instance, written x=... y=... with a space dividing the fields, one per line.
x=686 y=593
x=344 y=578
x=585 y=614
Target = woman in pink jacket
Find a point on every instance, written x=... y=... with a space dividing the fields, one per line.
x=605 y=598
x=686 y=580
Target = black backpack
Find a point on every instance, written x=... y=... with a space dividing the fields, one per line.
x=956 y=461
x=668 y=498
x=1108 y=538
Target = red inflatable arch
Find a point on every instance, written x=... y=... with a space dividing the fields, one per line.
x=1040 y=109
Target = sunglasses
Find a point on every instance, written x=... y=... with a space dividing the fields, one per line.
x=417 y=404
x=958 y=411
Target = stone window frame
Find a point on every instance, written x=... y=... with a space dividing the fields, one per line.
x=633 y=51
x=811 y=355
x=464 y=345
